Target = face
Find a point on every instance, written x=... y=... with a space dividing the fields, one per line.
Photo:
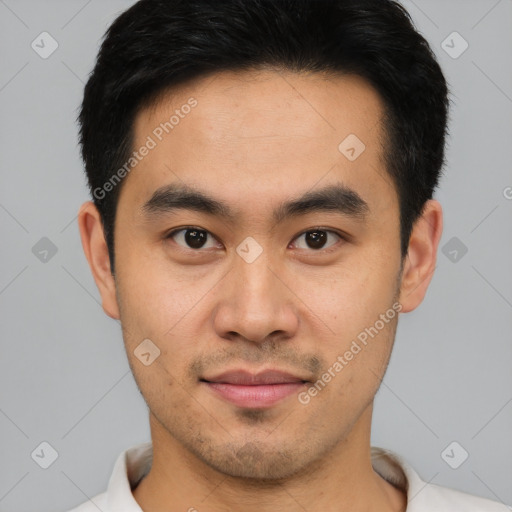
x=248 y=239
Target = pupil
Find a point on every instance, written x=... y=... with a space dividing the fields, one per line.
x=316 y=239
x=195 y=238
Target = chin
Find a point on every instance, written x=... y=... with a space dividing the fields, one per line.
x=266 y=466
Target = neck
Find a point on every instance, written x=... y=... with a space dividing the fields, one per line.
x=343 y=479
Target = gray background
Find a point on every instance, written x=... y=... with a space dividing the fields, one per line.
x=64 y=376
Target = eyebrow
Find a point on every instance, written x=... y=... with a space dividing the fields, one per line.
x=331 y=198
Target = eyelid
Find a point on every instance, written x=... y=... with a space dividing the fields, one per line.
x=174 y=231
x=340 y=234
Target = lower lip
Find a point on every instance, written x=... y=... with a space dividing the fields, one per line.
x=255 y=396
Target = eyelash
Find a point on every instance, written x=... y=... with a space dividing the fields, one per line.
x=333 y=247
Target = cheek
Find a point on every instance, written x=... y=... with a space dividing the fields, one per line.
x=156 y=296
x=162 y=387
x=156 y=309
x=167 y=306
x=347 y=297
x=356 y=343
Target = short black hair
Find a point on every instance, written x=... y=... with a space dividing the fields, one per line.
x=158 y=44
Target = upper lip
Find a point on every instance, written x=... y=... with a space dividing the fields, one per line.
x=244 y=377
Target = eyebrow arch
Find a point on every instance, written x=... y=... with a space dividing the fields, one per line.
x=334 y=198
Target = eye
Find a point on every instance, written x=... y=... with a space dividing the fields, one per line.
x=191 y=238
x=317 y=239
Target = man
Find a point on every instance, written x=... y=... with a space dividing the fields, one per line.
x=262 y=174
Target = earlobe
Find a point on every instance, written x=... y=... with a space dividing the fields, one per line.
x=96 y=252
x=420 y=262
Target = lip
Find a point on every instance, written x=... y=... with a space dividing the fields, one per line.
x=246 y=378
x=261 y=390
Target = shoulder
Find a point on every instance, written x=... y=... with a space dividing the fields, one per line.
x=424 y=496
x=443 y=499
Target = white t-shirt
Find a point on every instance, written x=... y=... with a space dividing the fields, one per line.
x=133 y=464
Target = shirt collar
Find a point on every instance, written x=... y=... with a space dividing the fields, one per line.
x=131 y=466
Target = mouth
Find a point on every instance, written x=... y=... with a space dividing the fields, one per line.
x=255 y=391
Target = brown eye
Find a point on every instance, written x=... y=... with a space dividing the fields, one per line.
x=195 y=238
x=191 y=238
x=317 y=239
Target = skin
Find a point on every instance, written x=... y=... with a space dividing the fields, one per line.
x=254 y=140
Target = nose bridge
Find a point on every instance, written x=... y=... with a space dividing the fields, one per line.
x=258 y=287
x=256 y=303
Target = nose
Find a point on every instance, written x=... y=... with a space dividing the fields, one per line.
x=255 y=303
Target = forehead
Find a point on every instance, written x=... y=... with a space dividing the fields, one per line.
x=261 y=134
x=270 y=103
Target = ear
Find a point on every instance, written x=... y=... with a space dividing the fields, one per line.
x=96 y=252
x=421 y=257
